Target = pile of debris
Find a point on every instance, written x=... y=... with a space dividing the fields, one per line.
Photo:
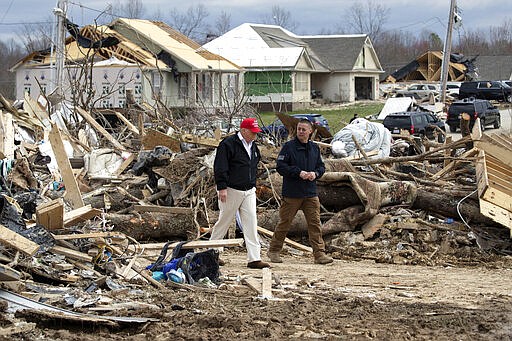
x=97 y=209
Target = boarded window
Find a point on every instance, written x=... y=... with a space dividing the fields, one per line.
x=264 y=83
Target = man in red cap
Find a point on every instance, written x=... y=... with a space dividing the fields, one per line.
x=235 y=167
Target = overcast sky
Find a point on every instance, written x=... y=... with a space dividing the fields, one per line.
x=311 y=16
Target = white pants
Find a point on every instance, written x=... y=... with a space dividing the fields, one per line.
x=245 y=203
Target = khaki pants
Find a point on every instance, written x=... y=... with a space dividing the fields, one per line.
x=288 y=210
x=245 y=203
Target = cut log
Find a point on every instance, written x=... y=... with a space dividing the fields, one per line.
x=155 y=225
x=446 y=205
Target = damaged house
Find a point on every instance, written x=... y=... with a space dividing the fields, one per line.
x=287 y=71
x=157 y=62
x=428 y=68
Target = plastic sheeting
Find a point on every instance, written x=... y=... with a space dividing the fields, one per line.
x=370 y=135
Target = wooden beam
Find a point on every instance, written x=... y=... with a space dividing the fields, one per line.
x=129 y=124
x=9 y=274
x=72 y=194
x=163 y=209
x=71 y=253
x=100 y=129
x=34 y=108
x=125 y=164
x=80 y=214
x=205 y=141
x=17 y=241
x=195 y=244
x=152 y=138
x=6 y=135
x=89 y=235
x=286 y=240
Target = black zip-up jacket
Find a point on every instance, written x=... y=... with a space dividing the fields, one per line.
x=295 y=157
x=232 y=166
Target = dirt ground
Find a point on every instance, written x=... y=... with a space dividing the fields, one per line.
x=348 y=299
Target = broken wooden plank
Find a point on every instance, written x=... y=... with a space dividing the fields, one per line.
x=373 y=225
x=496 y=213
x=195 y=244
x=89 y=235
x=34 y=109
x=286 y=240
x=100 y=129
x=252 y=283
x=17 y=241
x=63 y=266
x=80 y=214
x=72 y=194
x=9 y=274
x=163 y=209
x=124 y=165
x=7 y=147
x=454 y=163
x=128 y=124
x=266 y=284
x=71 y=253
x=204 y=141
x=153 y=138
x=51 y=214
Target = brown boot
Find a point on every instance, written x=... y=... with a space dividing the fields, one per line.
x=322 y=258
x=274 y=257
x=258 y=265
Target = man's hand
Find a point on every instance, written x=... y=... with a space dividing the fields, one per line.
x=311 y=176
x=223 y=195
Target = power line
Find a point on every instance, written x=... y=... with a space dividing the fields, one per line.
x=7 y=11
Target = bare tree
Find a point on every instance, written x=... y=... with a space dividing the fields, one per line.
x=222 y=24
x=191 y=23
x=132 y=9
x=10 y=53
x=367 y=17
x=281 y=17
x=36 y=37
x=500 y=38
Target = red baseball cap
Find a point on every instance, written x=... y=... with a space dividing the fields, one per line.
x=251 y=124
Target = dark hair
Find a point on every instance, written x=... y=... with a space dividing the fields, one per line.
x=306 y=121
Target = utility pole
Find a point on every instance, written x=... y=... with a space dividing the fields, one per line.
x=59 y=49
x=447 y=51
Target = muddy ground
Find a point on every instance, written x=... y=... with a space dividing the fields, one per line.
x=349 y=299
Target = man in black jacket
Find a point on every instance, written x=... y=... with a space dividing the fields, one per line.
x=235 y=167
x=300 y=164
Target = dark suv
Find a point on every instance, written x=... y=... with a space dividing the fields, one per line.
x=418 y=123
x=490 y=90
x=480 y=108
x=277 y=129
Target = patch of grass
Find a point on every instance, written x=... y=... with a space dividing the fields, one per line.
x=338 y=116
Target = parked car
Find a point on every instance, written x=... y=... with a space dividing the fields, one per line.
x=452 y=89
x=480 y=108
x=490 y=90
x=418 y=123
x=278 y=130
x=418 y=91
x=507 y=82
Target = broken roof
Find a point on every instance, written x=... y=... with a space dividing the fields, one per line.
x=163 y=37
x=133 y=49
x=271 y=45
x=251 y=45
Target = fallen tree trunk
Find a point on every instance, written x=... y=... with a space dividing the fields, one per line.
x=155 y=226
x=446 y=205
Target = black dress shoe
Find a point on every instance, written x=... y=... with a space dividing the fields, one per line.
x=258 y=265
